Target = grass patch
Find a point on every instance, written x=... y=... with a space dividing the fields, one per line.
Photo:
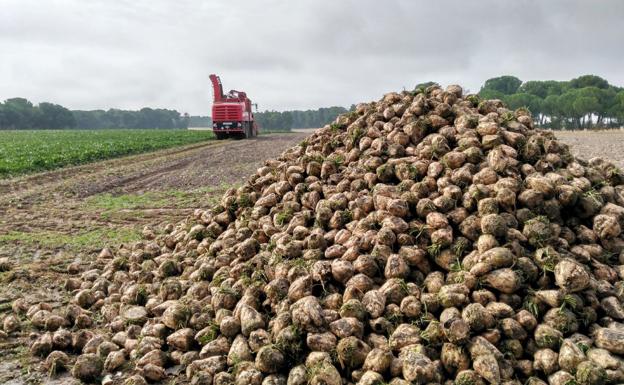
x=108 y=204
x=127 y=201
x=92 y=239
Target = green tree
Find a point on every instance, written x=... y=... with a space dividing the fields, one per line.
x=569 y=113
x=54 y=117
x=533 y=103
x=3 y=118
x=552 y=109
x=504 y=84
x=584 y=107
x=535 y=87
x=491 y=94
x=200 y=121
x=516 y=101
x=19 y=113
x=589 y=81
x=607 y=99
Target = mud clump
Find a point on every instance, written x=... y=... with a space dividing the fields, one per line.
x=428 y=238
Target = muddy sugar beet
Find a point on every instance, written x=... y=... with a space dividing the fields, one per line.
x=427 y=238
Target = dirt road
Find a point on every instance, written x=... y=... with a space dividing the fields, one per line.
x=51 y=219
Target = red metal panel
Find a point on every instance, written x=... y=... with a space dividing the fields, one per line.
x=227 y=112
x=217 y=88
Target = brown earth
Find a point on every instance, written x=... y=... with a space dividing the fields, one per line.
x=51 y=219
x=588 y=144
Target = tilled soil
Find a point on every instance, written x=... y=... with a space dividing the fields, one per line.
x=589 y=144
x=51 y=219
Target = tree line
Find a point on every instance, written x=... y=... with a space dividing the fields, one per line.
x=21 y=114
x=286 y=120
x=588 y=101
x=200 y=121
x=157 y=118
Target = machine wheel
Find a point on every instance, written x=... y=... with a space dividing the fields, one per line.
x=220 y=135
x=247 y=131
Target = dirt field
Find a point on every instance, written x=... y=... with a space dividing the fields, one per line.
x=51 y=219
x=588 y=144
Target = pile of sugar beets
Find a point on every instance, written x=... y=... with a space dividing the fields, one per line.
x=426 y=238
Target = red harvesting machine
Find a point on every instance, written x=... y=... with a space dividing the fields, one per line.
x=231 y=113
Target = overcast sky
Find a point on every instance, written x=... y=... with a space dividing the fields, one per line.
x=287 y=54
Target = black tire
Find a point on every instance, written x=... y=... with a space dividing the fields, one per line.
x=220 y=135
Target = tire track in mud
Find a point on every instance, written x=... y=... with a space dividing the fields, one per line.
x=141 y=179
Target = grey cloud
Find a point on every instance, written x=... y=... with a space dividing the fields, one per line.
x=292 y=54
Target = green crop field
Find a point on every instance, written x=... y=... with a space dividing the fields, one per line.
x=23 y=152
